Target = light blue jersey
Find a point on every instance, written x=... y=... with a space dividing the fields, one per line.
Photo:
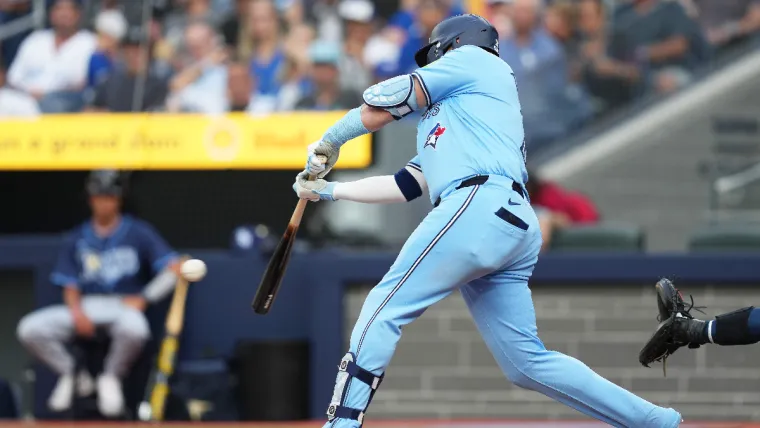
x=481 y=240
x=473 y=125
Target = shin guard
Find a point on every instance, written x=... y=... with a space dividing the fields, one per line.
x=733 y=328
x=349 y=369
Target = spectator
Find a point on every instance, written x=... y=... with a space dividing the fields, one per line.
x=101 y=270
x=14 y=103
x=358 y=23
x=577 y=208
x=241 y=92
x=111 y=27
x=268 y=56
x=186 y=13
x=728 y=22
x=51 y=65
x=118 y=91
x=200 y=87
x=660 y=38
x=10 y=11
x=541 y=73
x=499 y=14
x=294 y=75
x=613 y=83
x=408 y=16
x=561 y=21
x=428 y=14
x=549 y=222
x=325 y=57
x=233 y=31
x=326 y=20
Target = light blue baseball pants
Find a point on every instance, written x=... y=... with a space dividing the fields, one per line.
x=463 y=244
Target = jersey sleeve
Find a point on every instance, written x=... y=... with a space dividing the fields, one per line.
x=157 y=251
x=414 y=163
x=66 y=270
x=451 y=75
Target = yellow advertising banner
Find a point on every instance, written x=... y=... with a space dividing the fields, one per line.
x=170 y=141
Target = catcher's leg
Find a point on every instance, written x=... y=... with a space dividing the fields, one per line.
x=503 y=311
x=740 y=327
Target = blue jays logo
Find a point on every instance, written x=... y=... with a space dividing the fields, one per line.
x=435 y=133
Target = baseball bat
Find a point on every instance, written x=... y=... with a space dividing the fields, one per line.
x=153 y=404
x=275 y=271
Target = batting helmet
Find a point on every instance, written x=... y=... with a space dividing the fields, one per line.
x=105 y=182
x=458 y=31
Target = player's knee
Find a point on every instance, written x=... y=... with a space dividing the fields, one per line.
x=29 y=329
x=133 y=326
x=521 y=378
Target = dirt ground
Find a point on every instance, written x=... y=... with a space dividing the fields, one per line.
x=369 y=424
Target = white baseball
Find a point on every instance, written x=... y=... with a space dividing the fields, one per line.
x=193 y=270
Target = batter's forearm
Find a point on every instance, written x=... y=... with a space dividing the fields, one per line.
x=372 y=190
x=374 y=118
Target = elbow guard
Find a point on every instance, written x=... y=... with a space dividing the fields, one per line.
x=408 y=185
x=396 y=96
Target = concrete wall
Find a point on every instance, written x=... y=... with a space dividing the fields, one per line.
x=442 y=368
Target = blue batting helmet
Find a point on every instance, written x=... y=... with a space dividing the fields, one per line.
x=458 y=31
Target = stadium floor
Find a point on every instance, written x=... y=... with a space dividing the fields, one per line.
x=378 y=424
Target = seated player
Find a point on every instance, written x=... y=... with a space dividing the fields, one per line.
x=102 y=270
x=679 y=328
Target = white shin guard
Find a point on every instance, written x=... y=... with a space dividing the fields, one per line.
x=349 y=369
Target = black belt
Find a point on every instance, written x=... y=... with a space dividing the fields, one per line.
x=481 y=179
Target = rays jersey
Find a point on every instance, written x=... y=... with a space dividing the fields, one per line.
x=121 y=263
x=473 y=125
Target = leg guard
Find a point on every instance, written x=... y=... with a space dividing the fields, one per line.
x=347 y=370
x=733 y=328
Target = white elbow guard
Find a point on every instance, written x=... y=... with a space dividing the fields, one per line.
x=396 y=96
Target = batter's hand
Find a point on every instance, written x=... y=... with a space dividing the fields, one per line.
x=316 y=190
x=314 y=166
x=82 y=325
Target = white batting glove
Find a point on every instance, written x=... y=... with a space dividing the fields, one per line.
x=314 y=166
x=316 y=190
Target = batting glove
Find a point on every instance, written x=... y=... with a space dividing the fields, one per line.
x=316 y=190
x=314 y=166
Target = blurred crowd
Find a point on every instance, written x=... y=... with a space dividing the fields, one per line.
x=574 y=60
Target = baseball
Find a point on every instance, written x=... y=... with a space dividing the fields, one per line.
x=193 y=270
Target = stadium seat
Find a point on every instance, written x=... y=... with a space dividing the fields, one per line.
x=726 y=238
x=599 y=237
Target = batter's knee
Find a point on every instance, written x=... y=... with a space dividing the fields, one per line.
x=131 y=325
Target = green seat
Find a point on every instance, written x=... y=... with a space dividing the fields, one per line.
x=599 y=237
x=726 y=238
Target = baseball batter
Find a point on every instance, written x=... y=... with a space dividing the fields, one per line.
x=102 y=270
x=482 y=238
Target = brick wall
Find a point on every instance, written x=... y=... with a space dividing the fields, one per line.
x=442 y=369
